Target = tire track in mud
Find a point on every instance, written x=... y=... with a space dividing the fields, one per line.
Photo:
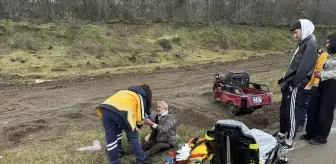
x=65 y=102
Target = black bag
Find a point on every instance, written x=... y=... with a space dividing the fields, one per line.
x=239 y=146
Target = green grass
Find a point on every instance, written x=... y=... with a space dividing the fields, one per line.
x=63 y=151
x=49 y=51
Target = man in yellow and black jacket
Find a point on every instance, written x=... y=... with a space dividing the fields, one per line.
x=126 y=111
x=309 y=89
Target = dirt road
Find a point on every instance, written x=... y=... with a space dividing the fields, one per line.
x=47 y=109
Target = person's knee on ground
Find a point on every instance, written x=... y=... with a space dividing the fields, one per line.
x=158 y=147
x=146 y=145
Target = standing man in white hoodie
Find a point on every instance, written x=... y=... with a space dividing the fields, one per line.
x=297 y=76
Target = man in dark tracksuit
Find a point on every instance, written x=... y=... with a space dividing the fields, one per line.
x=298 y=74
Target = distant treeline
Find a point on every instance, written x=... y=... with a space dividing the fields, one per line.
x=257 y=12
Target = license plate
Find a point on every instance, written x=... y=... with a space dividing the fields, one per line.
x=256 y=100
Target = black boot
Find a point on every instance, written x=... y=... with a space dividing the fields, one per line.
x=305 y=137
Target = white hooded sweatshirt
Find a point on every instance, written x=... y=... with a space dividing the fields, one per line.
x=307 y=28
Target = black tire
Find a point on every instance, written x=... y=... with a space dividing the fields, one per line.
x=233 y=109
x=251 y=110
x=215 y=99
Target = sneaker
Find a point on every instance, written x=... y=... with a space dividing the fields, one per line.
x=305 y=137
x=279 y=136
x=286 y=146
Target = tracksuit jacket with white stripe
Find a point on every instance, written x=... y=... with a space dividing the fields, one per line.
x=300 y=70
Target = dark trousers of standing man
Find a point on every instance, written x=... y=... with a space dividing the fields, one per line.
x=304 y=102
x=321 y=111
x=290 y=104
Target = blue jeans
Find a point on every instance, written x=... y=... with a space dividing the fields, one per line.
x=304 y=102
x=114 y=125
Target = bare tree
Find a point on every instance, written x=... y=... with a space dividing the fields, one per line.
x=265 y=12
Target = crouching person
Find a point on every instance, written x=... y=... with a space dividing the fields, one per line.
x=125 y=111
x=163 y=134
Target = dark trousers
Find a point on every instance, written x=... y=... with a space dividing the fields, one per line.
x=321 y=111
x=290 y=104
x=304 y=102
x=114 y=125
x=152 y=147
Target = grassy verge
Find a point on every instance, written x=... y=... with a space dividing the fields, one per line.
x=48 y=51
x=63 y=151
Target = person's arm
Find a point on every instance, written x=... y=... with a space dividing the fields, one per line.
x=169 y=123
x=139 y=113
x=328 y=74
x=306 y=65
x=154 y=126
x=319 y=67
x=321 y=61
x=331 y=74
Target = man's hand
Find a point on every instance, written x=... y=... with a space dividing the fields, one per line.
x=317 y=74
x=149 y=122
x=280 y=81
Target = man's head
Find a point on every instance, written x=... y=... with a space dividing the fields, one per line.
x=331 y=43
x=148 y=91
x=161 y=106
x=302 y=29
x=297 y=35
x=297 y=31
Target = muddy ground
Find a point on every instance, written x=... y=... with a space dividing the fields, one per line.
x=46 y=110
